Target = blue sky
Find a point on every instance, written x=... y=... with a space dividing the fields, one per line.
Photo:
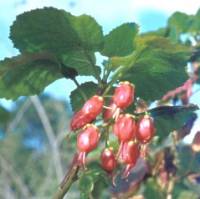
x=150 y=15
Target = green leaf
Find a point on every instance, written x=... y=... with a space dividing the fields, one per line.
x=119 y=42
x=194 y=187
x=90 y=35
x=155 y=67
x=71 y=38
x=86 y=184
x=180 y=191
x=180 y=21
x=168 y=119
x=93 y=181
x=48 y=29
x=162 y=32
x=27 y=74
x=82 y=62
x=187 y=194
x=77 y=99
x=195 y=26
x=89 y=32
x=152 y=190
x=188 y=160
x=4 y=117
x=172 y=110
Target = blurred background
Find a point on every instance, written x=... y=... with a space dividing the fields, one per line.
x=34 y=153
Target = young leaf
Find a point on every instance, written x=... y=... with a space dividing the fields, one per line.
x=119 y=42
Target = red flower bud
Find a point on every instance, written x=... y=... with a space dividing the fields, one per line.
x=79 y=120
x=110 y=111
x=130 y=152
x=129 y=155
x=125 y=128
x=88 y=113
x=145 y=129
x=124 y=95
x=87 y=141
x=93 y=106
x=108 y=161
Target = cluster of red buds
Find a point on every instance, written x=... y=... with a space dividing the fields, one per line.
x=133 y=133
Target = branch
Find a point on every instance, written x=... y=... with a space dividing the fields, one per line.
x=50 y=135
x=68 y=180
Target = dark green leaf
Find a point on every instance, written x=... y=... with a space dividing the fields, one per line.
x=73 y=39
x=47 y=29
x=4 y=117
x=162 y=32
x=188 y=160
x=156 y=67
x=82 y=62
x=119 y=42
x=195 y=27
x=96 y=178
x=171 y=110
x=27 y=74
x=76 y=97
x=180 y=191
x=187 y=194
x=168 y=119
x=86 y=184
x=152 y=190
x=180 y=21
x=192 y=186
x=89 y=32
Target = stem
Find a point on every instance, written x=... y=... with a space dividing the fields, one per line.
x=107 y=89
x=97 y=76
x=121 y=70
x=106 y=72
x=68 y=180
x=80 y=90
x=107 y=136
